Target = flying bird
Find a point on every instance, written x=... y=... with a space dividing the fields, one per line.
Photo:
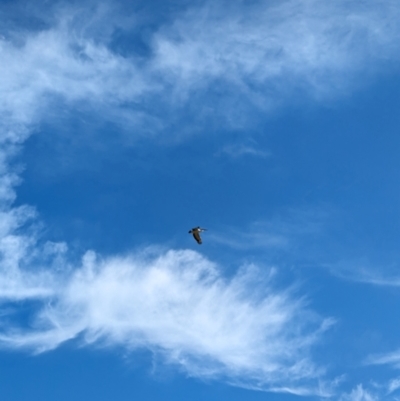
x=196 y=233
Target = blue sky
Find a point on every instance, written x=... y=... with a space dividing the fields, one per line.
x=275 y=125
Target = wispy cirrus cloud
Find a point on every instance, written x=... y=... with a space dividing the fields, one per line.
x=60 y=63
x=359 y=394
x=247 y=148
x=391 y=358
x=268 y=51
x=364 y=271
x=284 y=231
x=178 y=305
x=373 y=391
x=393 y=385
x=259 y=55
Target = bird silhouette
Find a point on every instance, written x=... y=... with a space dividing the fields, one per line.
x=196 y=233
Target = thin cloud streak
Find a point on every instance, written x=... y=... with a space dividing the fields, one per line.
x=391 y=358
x=283 y=232
x=242 y=150
x=363 y=272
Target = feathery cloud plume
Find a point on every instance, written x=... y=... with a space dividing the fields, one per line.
x=178 y=305
x=358 y=394
x=224 y=56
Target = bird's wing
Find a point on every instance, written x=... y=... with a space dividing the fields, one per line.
x=197 y=237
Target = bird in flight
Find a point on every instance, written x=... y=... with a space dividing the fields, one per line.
x=196 y=233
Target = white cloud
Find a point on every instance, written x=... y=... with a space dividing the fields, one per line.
x=284 y=231
x=239 y=150
x=59 y=63
x=391 y=358
x=263 y=53
x=18 y=249
x=274 y=49
x=365 y=272
x=394 y=385
x=378 y=392
x=178 y=305
x=359 y=394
